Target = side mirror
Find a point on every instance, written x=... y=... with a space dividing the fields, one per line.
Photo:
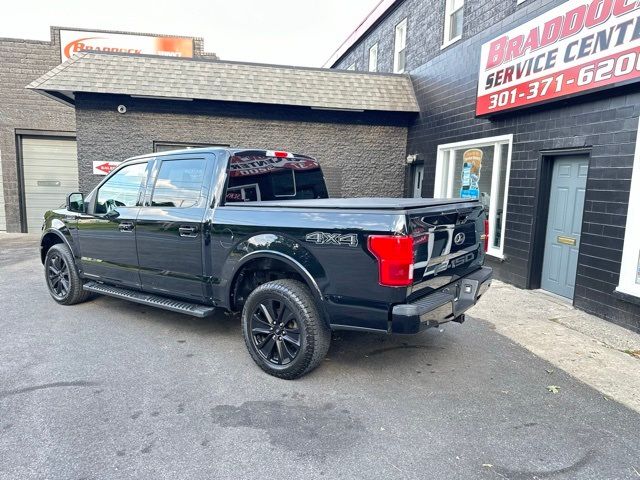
x=75 y=202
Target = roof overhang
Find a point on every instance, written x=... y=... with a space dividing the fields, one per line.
x=181 y=79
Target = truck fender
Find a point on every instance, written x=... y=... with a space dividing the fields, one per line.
x=57 y=233
x=290 y=252
x=292 y=262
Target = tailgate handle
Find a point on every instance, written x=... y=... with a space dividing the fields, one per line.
x=190 y=232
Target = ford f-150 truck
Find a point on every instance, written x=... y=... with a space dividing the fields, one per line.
x=254 y=231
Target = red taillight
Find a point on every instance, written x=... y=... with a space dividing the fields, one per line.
x=395 y=259
x=486 y=235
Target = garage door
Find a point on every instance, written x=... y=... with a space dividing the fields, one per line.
x=50 y=169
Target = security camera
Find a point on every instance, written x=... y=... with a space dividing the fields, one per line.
x=122 y=109
x=412 y=158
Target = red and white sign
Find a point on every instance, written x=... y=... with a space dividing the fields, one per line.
x=74 y=41
x=104 y=168
x=579 y=46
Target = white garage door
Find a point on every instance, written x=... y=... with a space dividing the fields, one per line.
x=3 y=218
x=50 y=169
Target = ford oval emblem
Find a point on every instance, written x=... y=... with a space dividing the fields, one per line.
x=459 y=238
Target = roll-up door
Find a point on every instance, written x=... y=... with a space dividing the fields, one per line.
x=50 y=172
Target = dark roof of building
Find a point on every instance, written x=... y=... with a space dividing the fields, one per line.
x=180 y=78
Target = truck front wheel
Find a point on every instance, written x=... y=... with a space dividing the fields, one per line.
x=63 y=281
x=283 y=329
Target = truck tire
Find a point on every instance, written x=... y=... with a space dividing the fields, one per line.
x=63 y=281
x=283 y=329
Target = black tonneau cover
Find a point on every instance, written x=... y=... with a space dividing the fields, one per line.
x=363 y=203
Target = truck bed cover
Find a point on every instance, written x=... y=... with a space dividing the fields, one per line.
x=362 y=203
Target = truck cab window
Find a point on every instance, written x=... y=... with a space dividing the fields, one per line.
x=179 y=183
x=122 y=189
x=254 y=176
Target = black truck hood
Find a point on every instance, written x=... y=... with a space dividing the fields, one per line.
x=363 y=203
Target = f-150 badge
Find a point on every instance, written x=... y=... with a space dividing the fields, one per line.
x=322 y=238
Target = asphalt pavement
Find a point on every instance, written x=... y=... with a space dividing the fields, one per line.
x=112 y=390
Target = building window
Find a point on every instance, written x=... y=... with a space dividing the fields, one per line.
x=630 y=268
x=478 y=169
x=373 y=58
x=400 y=48
x=453 y=16
x=352 y=66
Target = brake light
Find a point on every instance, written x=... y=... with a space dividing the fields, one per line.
x=395 y=259
x=485 y=237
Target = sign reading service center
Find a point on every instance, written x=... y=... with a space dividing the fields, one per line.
x=74 y=41
x=577 y=47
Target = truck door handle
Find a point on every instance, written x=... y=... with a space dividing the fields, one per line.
x=126 y=227
x=190 y=232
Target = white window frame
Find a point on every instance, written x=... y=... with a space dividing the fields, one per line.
x=631 y=250
x=352 y=67
x=399 y=46
x=448 y=13
x=373 y=58
x=446 y=191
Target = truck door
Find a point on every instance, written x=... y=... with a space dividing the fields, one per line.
x=169 y=226
x=107 y=231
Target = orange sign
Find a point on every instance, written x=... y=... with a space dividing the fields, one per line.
x=74 y=41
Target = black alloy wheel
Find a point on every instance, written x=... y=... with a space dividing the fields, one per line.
x=284 y=330
x=58 y=276
x=63 y=280
x=275 y=332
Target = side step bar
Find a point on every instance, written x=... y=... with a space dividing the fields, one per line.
x=152 y=300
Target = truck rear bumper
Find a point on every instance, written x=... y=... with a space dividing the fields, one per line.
x=443 y=305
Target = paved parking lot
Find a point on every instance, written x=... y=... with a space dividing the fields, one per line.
x=110 y=389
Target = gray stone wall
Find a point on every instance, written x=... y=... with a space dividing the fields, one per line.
x=22 y=62
x=359 y=158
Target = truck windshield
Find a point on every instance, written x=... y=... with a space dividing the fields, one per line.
x=257 y=176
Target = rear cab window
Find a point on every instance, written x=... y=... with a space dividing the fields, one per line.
x=259 y=175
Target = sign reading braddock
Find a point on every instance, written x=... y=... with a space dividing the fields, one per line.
x=577 y=47
x=74 y=41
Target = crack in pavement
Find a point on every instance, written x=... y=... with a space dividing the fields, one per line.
x=78 y=383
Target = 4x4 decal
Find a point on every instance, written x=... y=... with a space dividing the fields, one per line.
x=322 y=238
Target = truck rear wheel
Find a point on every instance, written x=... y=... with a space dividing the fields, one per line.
x=283 y=329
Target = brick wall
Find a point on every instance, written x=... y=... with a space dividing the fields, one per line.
x=22 y=62
x=606 y=123
x=361 y=154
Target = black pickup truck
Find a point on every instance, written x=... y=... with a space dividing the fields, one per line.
x=254 y=231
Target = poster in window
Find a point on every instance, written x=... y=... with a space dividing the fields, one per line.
x=471 y=167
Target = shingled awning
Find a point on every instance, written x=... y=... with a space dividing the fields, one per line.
x=179 y=78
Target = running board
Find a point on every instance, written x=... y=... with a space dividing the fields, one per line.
x=179 y=306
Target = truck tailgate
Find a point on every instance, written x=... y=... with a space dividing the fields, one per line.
x=448 y=243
